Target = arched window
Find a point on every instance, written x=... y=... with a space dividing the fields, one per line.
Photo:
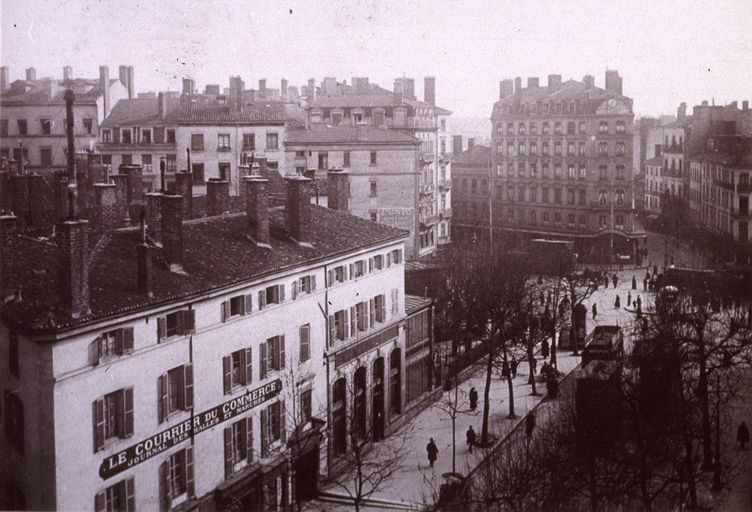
x=359 y=403
x=395 y=381
x=339 y=416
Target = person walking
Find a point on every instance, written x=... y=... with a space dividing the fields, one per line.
x=617 y=302
x=471 y=438
x=529 y=424
x=742 y=435
x=595 y=311
x=473 y=399
x=433 y=451
x=629 y=299
x=634 y=282
x=638 y=301
x=615 y=279
x=513 y=366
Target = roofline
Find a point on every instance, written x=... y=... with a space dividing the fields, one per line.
x=230 y=123
x=351 y=143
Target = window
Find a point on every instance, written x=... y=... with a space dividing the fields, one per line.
x=337 y=275
x=146 y=163
x=521 y=149
x=521 y=194
x=545 y=148
x=126 y=159
x=602 y=172
x=236 y=306
x=159 y=134
x=223 y=169
x=271 y=295
x=272 y=141
x=306 y=405
x=582 y=149
x=237 y=370
x=557 y=148
x=394 y=257
x=46 y=126
x=179 y=323
x=238 y=445
x=533 y=129
x=377 y=307
x=338 y=326
x=22 y=127
x=107 y=163
x=533 y=194
x=570 y=128
x=172 y=163
x=146 y=136
x=545 y=129
x=557 y=217
x=510 y=128
x=521 y=129
x=510 y=148
x=171 y=136
x=619 y=221
x=223 y=142
x=602 y=149
x=602 y=221
x=113 y=417
x=175 y=391
x=376 y=263
x=545 y=217
x=126 y=134
x=373 y=158
x=323 y=161
x=557 y=128
x=619 y=197
x=120 y=497
x=272 y=355
x=88 y=125
x=557 y=171
x=3 y=127
x=14 y=421
x=602 y=197
x=582 y=128
x=305 y=342
x=570 y=220
x=603 y=127
x=357 y=269
x=570 y=196
x=533 y=169
x=373 y=189
x=198 y=173
x=272 y=425
x=197 y=142
x=249 y=141
x=176 y=480
x=619 y=171
x=570 y=172
x=621 y=127
x=533 y=148
x=582 y=194
x=45 y=156
x=305 y=284
x=114 y=343
x=620 y=149
x=361 y=321
x=106 y=136
x=557 y=196
x=544 y=194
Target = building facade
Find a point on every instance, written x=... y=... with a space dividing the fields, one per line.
x=471 y=201
x=562 y=163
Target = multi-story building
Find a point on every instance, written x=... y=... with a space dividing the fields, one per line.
x=654 y=185
x=562 y=163
x=383 y=168
x=471 y=201
x=211 y=364
x=366 y=104
x=32 y=123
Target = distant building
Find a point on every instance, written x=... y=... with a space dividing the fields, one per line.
x=471 y=199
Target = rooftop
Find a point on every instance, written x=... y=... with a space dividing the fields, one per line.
x=414 y=303
x=141 y=111
x=377 y=97
x=656 y=160
x=478 y=154
x=570 y=91
x=211 y=109
x=325 y=134
x=48 y=91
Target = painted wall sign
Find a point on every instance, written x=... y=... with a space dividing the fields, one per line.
x=156 y=444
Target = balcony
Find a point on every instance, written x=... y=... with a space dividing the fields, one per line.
x=426 y=157
x=740 y=214
x=445 y=184
x=426 y=190
x=113 y=146
x=674 y=149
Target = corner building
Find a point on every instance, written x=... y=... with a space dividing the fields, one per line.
x=562 y=166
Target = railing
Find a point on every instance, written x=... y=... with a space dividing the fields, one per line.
x=110 y=144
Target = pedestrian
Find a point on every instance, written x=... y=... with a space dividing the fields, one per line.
x=634 y=283
x=504 y=369
x=615 y=279
x=544 y=368
x=513 y=366
x=647 y=275
x=655 y=269
x=473 y=399
x=433 y=451
x=529 y=424
x=617 y=302
x=595 y=311
x=471 y=438
x=638 y=300
x=629 y=299
x=544 y=349
x=533 y=366
x=742 y=435
x=645 y=285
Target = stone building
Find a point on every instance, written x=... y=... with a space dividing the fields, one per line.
x=471 y=198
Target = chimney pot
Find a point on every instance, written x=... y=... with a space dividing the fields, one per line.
x=162 y=105
x=73 y=279
x=257 y=210
x=67 y=73
x=104 y=88
x=532 y=82
x=189 y=86
x=517 y=85
x=172 y=231
x=107 y=212
x=31 y=74
x=153 y=216
x=298 y=209
x=745 y=105
x=338 y=190
x=217 y=197
x=184 y=188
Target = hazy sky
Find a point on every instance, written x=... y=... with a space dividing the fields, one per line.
x=667 y=52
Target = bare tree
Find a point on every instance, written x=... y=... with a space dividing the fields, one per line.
x=450 y=405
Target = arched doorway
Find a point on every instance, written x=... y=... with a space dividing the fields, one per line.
x=339 y=416
x=395 y=382
x=359 y=403
x=378 y=399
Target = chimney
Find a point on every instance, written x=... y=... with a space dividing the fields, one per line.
x=312 y=89
x=734 y=105
x=429 y=90
x=172 y=231
x=532 y=82
x=613 y=81
x=143 y=263
x=61 y=195
x=257 y=210
x=745 y=105
x=72 y=256
x=517 y=85
x=409 y=88
x=67 y=73
x=554 y=83
x=123 y=75
x=104 y=88
x=108 y=214
x=162 y=105
x=283 y=88
x=704 y=103
x=588 y=81
x=31 y=74
x=263 y=166
x=8 y=230
x=681 y=112
x=338 y=190
x=470 y=143
x=135 y=190
x=217 y=197
x=131 y=83
x=506 y=88
x=456 y=144
x=153 y=216
x=298 y=209
x=262 y=87
x=189 y=86
x=184 y=188
x=212 y=89
x=121 y=192
x=4 y=78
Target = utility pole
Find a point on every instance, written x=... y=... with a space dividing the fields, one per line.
x=72 y=188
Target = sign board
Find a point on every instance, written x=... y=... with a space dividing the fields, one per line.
x=397 y=217
x=158 y=443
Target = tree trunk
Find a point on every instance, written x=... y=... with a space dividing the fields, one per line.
x=487 y=396
x=530 y=357
x=702 y=391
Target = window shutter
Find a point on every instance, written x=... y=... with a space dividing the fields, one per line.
x=189 y=321
x=99 y=502
x=281 y=352
x=264 y=432
x=249 y=438
x=248 y=304
x=389 y=259
x=353 y=321
x=128 y=412
x=226 y=379
x=332 y=329
x=127 y=340
x=262 y=299
x=189 y=478
x=188 y=386
x=119 y=342
x=294 y=290
x=248 y=366
x=352 y=270
x=330 y=277
x=161 y=328
x=95 y=351
x=371 y=312
x=162 y=394
x=262 y=360
x=370 y=264
x=130 y=495
x=281 y=293
x=282 y=416
x=228 y=452
x=225 y=310
x=382 y=309
x=98 y=420
x=313 y=282
x=164 y=485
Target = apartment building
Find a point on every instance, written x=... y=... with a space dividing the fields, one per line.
x=562 y=165
x=32 y=122
x=471 y=200
x=200 y=365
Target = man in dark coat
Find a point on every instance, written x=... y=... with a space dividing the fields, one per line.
x=473 y=399
x=634 y=283
x=615 y=280
x=471 y=439
x=529 y=424
x=513 y=367
x=433 y=451
x=595 y=311
x=742 y=435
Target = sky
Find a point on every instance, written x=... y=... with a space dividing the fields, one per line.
x=667 y=52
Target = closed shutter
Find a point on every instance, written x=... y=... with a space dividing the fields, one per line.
x=353 y=321
x=226 y=377
x=161 y=328
x=164 y=485
x=389 y=259
x=281 y=352
x=189 y=476
x=281 y=293
x=330 y=277
x=370 y=264
x=130 y=495
x=127 y=340
x=189 y=321
x=188 y=386
x=249 y=438
x=352 y=271
x=95 y=351
x=248 y=366
x=332 y=329
x=264 y=432
x=262 y=299
x=372 y=312
x=99 y=502
x=98 y=420
x=119 y=342
x=127 y=412
x=382 y=309
x=282 y=416
x=162 y=396
x=248 y=304
x=225 y=310
x=313 y=282
x=294 y=290
x=262 y=360
x=228 y=452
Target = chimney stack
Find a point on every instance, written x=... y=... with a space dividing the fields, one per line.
x=67 y=73
x=131 y=83
x=311 y=89
x=517 y=85
x=135 y=189
x=262 y=87
x=745 y=105
x=212 y=89
x=61 y=195
x=143 y=263
x=429 y=90
x=257 y=210
x=532 y=82
x=31 y=74
x=162 y=105
x=4 y=78
x=172 y=231
x=681 y=112
x=613 y=81
x=456 y=144
x=8 y=230
x=184 y=188
x=470 y=143
x=338 y=190
x=217 y=197
x=123 y=75
x=73 y=279
x=554 y=83
x=153 y=216
x=588 y=81
x=189 y=86
x=104 y=88
x=283 y=88
x=108 y=214
x=506 y=88
x=298 y=209
x=121 y=192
